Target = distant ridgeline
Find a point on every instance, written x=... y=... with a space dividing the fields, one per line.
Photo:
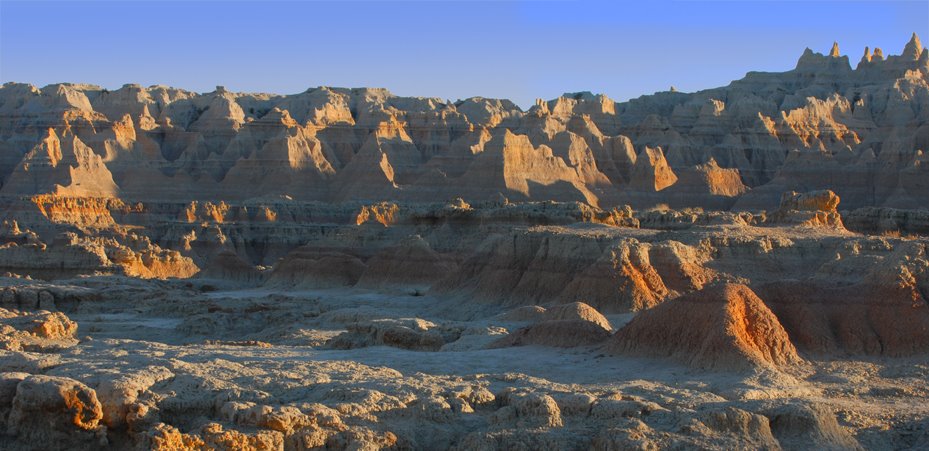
x=861 y=132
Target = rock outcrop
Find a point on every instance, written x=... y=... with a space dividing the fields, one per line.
x=887 y=221
x=227 y=265
x=577 y=311
x=562 y=326
x=565 y=333
x=722 y=327
x=410 y=263
x=609 y=275
x=56 y=412
x=885 y=313
x=36 y=331
x=817 y=208
x=351 y=269
x=309 y=267
x=413 y=334
x=651 y=171
x=821 y=125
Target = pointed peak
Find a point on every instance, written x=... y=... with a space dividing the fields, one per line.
x=125 y=121
x=835 y=50
x=913 y=48
x=540 y=108
x=866 y=58
x=878 y=54
x=811 y=60
x=652 y=152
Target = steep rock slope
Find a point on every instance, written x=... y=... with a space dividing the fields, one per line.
x=861 y=132
x=723 y=326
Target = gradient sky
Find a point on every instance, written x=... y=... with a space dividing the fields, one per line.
x=511 y=49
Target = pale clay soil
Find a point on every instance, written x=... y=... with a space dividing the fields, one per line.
x=876 y=403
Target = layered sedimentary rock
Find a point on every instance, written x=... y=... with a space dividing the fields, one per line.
x=411 y=262
x=858 y=304
x=35 y=331
x=564 y=333
x=817 y=208
x=889 y=221
x=564 y=326
x=861 y=132
x=350 y=269
x=724 y=326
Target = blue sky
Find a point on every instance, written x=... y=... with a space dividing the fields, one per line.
x=511 y=49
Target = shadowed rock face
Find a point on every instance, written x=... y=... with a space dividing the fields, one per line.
x=564 y=333
x=823 y=125
x=349 y=269
x=874 y=317
x=564 y=326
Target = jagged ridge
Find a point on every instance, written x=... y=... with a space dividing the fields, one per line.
x=860 y=132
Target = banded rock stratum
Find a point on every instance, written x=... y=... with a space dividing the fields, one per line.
x=823 y=125
x=742 y=267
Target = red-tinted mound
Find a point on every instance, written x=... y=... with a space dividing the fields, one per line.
x=724 y=326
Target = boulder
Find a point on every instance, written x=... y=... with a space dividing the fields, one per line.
x=58 y=412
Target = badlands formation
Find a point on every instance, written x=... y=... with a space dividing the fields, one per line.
x=738 y=268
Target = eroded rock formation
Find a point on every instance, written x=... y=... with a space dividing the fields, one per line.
x=723 y=326
x=860 y=132
x=350 y=269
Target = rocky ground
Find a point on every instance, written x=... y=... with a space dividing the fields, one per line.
x=165 y=365
x=350 y=269
x=622 y=330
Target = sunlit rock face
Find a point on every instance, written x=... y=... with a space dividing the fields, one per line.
x=861 y=132
x=744 y=267
x=721 y=326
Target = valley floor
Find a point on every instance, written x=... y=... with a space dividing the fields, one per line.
x=173 y=365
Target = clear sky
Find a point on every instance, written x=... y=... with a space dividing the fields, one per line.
x=511 y=49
